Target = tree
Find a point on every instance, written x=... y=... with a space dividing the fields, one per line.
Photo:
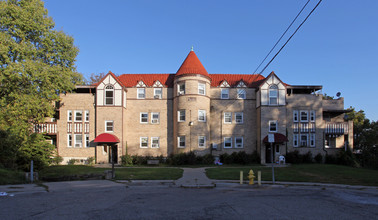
x=95 y=78
x=37 y=63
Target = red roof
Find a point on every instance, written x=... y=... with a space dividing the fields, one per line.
x=278 y=138
x=106 y=138
x=250 y=80
x=131 y=80
x=192 y=65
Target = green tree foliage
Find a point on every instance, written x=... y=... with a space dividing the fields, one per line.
x=37 y=63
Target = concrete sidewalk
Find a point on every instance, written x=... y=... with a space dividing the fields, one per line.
x=194 y=178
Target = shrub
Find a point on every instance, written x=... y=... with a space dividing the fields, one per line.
x=346 y=158
x=307 y=157
x=126 y=160
x=330 y=159
x=226 y=158
x=139 y=160
x=294 y=157
x=319 y=158
x=90 y=160
x=56 y=160
x=208 y=159
x=255 y=157
x=72 y=161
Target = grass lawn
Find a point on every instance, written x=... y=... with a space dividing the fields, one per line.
x=11 y=177
x=322 y=173
x=66 y=171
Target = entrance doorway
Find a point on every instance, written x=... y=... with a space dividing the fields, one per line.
x=268 y=152
x=110 y=154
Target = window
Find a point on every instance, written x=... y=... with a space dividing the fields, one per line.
x=312 y=116
x=295 y=140
x=304 y=140
x=87 y=116
x=78 y=116
x=144 y=117
x=225 y=93
x=202 y=115
x=109 y=95
x=296 y=127
x=141 y=93
x=239 y=117
x=312 y=140
x=227 y=117
x=155 y=142
x=238 y=142
x=158 y=93
x=181 y=89
x=109 y=126
x=87 y=140
x=295 y=115
x=69 y=115
x=201 y=89
x=78 y=140
x=181 y=141
x=304 y=116
x=227 y=142
x=143 y=142
x=155 y=118
x=272 y=126
x=181 y=115
x=241 y=93
x=69 y=140
x=273 y=94
x=201 y=141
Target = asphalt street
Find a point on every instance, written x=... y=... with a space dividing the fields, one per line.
x=110 y=200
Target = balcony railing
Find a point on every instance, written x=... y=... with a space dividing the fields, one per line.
x=337 y=128
x=47 y=127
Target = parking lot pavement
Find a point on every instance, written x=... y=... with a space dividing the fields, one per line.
x=111 y=200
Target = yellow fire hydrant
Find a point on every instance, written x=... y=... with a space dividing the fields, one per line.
x=251 y=176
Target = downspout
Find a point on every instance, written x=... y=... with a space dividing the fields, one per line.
x=95 y=121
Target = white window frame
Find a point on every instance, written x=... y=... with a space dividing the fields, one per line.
x=69 y=115
x=225 y=93
x=273 y=88
x=152 y=142
x=204 y=115
x=141 y=93
x=242 y=117
x=86 y=116
x=242 y=142
x=312 y=140
x=141 y=142
x=87 y=143
x=295 y=116
x=141 y=118
x=155 y=121
x=200 y=144
x=241 y=93
x=181 y=113
x=295 y=140
x=312 y=116
x=80 y=143
x=201 y=89
x=300 y=140
x=300 y=115
x=81 y=112
x=227 y=140
x=106 y=126
x=108 y=89
x=181 y=88
x=270 y=125
x=69 y=140
x=230 y=117
x=158 y=95
x=179 y=141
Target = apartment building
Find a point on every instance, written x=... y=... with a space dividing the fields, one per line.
x=192 y=110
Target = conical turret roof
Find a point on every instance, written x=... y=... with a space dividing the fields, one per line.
x=192 y=65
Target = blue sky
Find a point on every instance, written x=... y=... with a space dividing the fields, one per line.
x=337 y=47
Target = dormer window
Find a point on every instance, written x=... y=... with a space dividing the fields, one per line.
x=109 y=95
x=273 y=95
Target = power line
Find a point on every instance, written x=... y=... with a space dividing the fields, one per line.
x=282 y=36
x=291 y=36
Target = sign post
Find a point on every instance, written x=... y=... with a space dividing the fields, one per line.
x=271 y=141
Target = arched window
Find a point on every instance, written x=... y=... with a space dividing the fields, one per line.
x=273 y=95
x=109 y=95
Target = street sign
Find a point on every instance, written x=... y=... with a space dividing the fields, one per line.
x=271 y=138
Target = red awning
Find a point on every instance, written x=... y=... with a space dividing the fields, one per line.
x=106 y=138
x=278 y=138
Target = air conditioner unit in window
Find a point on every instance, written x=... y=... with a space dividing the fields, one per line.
x=157 y=97
x=155 y=121
x=239 y=121
x=155 y=145
x=181 y=93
